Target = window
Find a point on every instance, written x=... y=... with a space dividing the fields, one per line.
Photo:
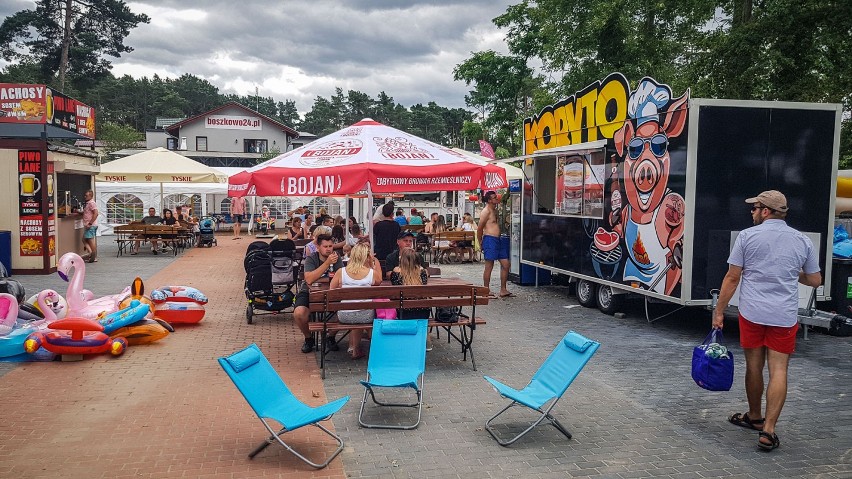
x=171 y=143
x=123 y=208
x=189 y=203
x=332 y=206
x=571 y=184
x=255 y=146
x=225 y=206
x=200 y=143
x=278 y=207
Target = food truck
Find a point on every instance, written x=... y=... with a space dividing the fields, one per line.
x=636 y=188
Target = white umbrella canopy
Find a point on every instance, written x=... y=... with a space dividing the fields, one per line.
x=512 y=172
x=367 y=155
x=158 y=166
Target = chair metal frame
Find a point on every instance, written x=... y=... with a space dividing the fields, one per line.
x=283 y=393
x=417 y=349
x=568 y=359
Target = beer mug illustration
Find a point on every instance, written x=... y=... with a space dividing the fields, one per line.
x=30 y=185
x=48 y=101
x=50 y=185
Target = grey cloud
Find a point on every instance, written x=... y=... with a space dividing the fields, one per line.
x=408 y=49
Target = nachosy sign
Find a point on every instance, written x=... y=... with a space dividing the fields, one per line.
x=39 y=104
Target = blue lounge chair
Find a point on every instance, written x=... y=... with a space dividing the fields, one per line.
x=270 y=398
x=548 y=384
x=397 y=360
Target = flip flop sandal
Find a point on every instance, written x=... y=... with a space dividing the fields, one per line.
x=743 y=420
x=772 y=437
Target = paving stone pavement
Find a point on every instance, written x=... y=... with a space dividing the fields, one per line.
x=166 y=410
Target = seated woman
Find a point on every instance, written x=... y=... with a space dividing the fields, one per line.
x=339 y=238
x=296 y=231
x=363 y=269
x=168 y=220
x=409 y=272
x=311 y=247
x=466 y=246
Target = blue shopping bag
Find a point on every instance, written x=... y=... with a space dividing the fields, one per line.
x=713 y=363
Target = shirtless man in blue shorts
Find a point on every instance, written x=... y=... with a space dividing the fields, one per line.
x=495 y=247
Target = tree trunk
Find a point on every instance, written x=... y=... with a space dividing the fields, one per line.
x=742 y=12
x=66 y=45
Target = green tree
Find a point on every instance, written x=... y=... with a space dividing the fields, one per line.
x=288 y=114
x=269 y=154
x=581 y=42
x=503 y=87
x=69 y=36
x=471 y=132
x=198 y=95
x=358 y=106
x=321 y=119
x=116 y=137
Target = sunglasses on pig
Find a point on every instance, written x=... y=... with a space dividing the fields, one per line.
x=659 y=144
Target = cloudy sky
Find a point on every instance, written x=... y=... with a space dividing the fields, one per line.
x=303 y=49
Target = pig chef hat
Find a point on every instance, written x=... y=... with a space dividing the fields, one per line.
x=646 y=102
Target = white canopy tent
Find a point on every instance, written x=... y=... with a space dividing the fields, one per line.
x=118 y=201
x=152 y=168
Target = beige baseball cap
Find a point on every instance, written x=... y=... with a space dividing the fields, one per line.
x=773 y=199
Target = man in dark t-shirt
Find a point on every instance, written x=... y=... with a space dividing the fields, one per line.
x=322 y=264
x=385 y=233
x=152 y=219
x=405 y=239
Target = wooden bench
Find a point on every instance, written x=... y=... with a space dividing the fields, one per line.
x=127 y=235
x=324 y=304
x=444 y=245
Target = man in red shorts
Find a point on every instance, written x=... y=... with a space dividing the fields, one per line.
x=771 y=259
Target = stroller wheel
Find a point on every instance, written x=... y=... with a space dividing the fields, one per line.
x=249 y=313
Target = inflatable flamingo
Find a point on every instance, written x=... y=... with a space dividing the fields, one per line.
x=51 y=300
x=80 y=302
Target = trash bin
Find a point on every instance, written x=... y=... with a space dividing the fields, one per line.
x=841 y=286
x=6 y=250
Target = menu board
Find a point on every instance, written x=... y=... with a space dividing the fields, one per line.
x=579 y=185
x=31 y=179
x=39 y=104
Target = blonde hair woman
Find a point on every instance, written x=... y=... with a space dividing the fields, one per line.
x=363 y=269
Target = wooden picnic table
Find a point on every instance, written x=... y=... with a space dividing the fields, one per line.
x=128 y=235
x=440 y=292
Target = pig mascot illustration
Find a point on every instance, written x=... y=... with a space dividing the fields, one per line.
x=651 y=221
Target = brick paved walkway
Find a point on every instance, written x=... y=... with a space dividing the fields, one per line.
x=166 y=410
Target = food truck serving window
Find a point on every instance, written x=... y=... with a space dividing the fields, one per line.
x=572 y=184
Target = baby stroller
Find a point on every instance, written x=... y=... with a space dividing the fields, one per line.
x=272 y=272
x=206 y=227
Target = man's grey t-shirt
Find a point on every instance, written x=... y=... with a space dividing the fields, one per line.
x=313 y=262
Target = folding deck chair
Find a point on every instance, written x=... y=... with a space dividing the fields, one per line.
x=548 y=384
x=397 y=360
x=270 y=398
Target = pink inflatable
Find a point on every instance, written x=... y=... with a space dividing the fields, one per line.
x=81 y=303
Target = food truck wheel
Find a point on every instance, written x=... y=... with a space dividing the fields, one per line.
x=586 y=292
x=608 y=302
